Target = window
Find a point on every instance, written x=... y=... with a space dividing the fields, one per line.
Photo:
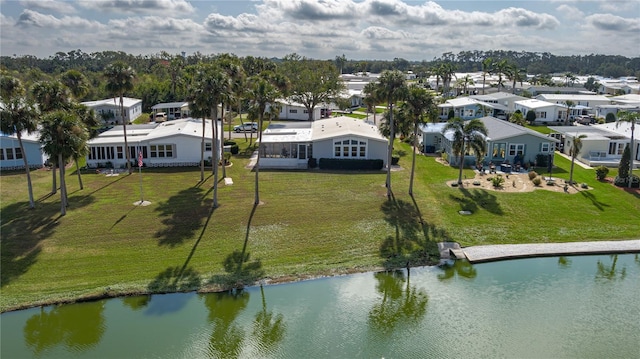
x=351 y=148
x=498 y=150
x=616 y=148
x=542 y=114
x=306 y=111
x=120 y=152
x=161 y=151
x=545 y=147
x=207 y=146
x=9 y=153
x=293 y=111
x=516 y=149
x=1 y=154
x=18 y=152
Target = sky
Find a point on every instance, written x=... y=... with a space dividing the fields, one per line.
x=320 y=29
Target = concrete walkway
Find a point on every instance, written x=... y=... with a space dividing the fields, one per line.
x=477 y=254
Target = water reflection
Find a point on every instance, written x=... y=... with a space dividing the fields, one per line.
x=564 y=262
x=268 y=329
x=78 y=327
x=461 y=268
x=399 y=303
x=609 y=271
x=227 y=337
x=136 y=302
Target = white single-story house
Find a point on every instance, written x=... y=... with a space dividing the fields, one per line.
x=502 y=98
x=583 y=104
x=174 y=110
x=11 y=156
x=629 y=99
x=537 y=90
x=291 y=145
x=603 y=144
x=290 y=110
x=546 y=112
x=168 y=144
x=467 y=108
x=603 y=111
x=506 y=143
x=109 y=110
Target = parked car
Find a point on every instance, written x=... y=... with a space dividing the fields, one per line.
x=584 y=119
x=246 y=127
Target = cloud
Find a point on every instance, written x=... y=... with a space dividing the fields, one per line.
x=620 y=6
x=570 y=12
x=49 y=5
x=608 y=22
x=171 y=7
x=526 y=18
x=30 y=18
x=312 y=9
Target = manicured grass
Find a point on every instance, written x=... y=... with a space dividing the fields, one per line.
x=311 y=223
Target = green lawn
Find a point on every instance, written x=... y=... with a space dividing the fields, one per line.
x=311 y=223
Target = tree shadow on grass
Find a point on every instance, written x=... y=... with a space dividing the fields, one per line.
x=414 y=242
x=182 y=216
x=240 y=269
x=23 y=229
x=475 y=199
x=599 y=205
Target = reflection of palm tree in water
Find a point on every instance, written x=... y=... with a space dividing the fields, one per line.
x=78 y=327
x=462 y=268
x=226 y=337
x=609 y=271
x=398 y=304
x=268 y=329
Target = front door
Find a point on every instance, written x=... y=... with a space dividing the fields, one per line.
x=302 y=151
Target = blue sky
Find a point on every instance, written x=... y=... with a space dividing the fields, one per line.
x=323 y=29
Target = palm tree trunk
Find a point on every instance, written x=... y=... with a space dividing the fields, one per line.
x=257 y=166
x=573 y=160
x=124 y=128
x=215 y=160
x=204 y=123
x=79 y=175
x=413 y=160
x=54 y=187
x=32 y=203
x=390 y=150
x=461 y=164
x=224 y=167
x=63 y=196
x=633 y=157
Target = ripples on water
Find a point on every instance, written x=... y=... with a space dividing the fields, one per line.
x=577 y=307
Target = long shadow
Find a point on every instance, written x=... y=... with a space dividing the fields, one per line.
x=472 y=200
x=240 y=270
x=182 y=216
x=120 y=178
x=412 y=243
x=599 y=205
x=23 y=229
x=122 y=218
x=195 y=245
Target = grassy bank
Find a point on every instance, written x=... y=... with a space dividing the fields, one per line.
x=311 y=223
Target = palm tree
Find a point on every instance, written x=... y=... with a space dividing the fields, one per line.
x=120 y=78
x=516 y=75
x=447 y=72
x=261 y=92
x=576 y=146
x=418 y=102
x=50 y=96
x=88 y=118
x=473 y=131
x=500 y=68
x=570 y=104
x=62 y=136
x=18 y=116
x=392 y=87
x=487 y=68
x=371 y=98
x=632 y=118
x=76 y=82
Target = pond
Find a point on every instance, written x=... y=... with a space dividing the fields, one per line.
x=574 y=307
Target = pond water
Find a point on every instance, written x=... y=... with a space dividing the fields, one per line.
x=570 y=307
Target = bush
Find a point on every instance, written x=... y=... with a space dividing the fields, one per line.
x=584 y=185
x=350 y=164
x=601 y=172
x=497 y=181
x=610 y=118
x=624 y=181
x=395 y=160
x=312 y=162
x=542 y=160
x=532 y=175
x=537 y=181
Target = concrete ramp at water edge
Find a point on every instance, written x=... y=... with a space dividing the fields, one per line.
x=489 y=253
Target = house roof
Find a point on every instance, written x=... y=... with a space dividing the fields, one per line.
x=461 y=102
x=627 y=99
x=572 y=97
x=533 y=103
x=169 y=105
x=321 y=129
x=596 y=132
x=148 y=132
x=496 y=129
x=114 y=101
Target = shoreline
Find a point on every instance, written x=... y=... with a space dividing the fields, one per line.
x=448 y=250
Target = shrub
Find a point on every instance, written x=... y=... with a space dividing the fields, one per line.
x=536 y=181
x=497 y=181
x=584 y=185
x=542 y=160
x=623 y=167
x=601 y=172
x=395 y=160
x=532 y=175
x=610 y=118
x=624 y=181
x=312 y=162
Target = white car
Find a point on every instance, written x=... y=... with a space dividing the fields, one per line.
x=246 y=127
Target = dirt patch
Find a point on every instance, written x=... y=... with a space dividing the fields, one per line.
x=517 y=182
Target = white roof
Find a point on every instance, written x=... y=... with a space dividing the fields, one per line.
x=169 y=105
x=627 y=99
x=572 y=97
x=115 y=101
x=533 y=103
x=460 y=102
x=148 y=132
x=321 y=129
